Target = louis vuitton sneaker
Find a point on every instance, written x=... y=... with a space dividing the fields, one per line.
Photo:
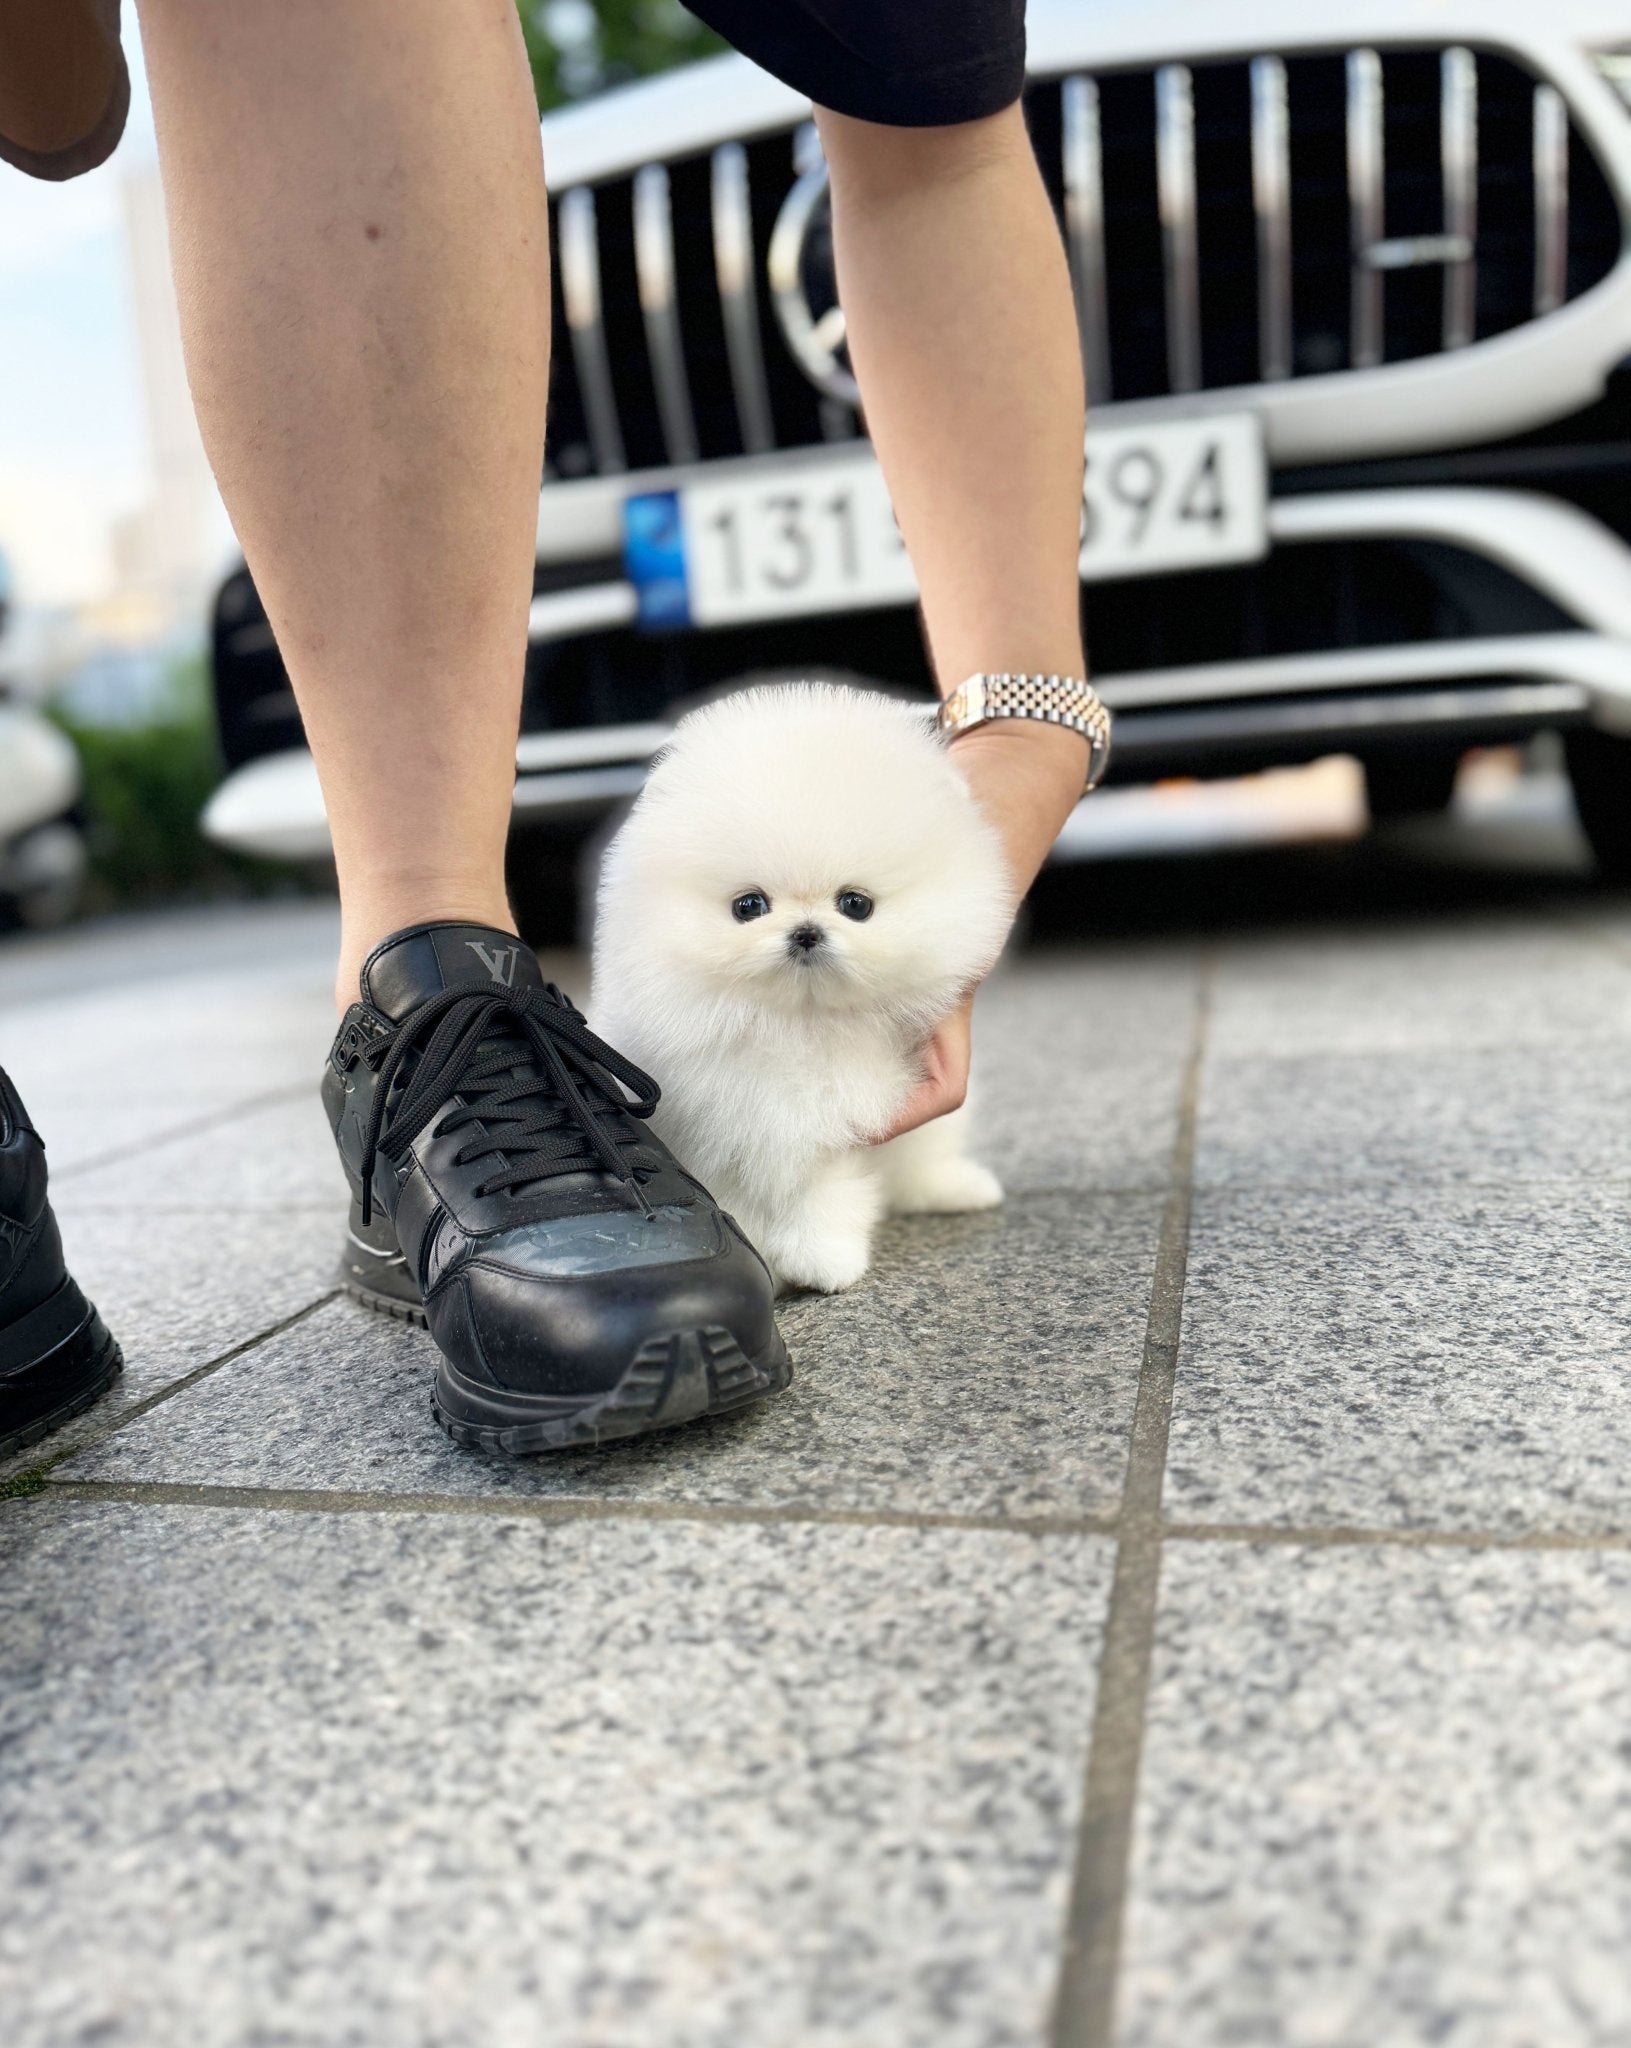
x=56 y=1356
x=508 y=1194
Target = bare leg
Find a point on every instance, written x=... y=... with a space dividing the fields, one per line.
x=356 y=202
x=963 y=335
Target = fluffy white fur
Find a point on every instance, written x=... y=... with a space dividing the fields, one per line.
x=777 y=1062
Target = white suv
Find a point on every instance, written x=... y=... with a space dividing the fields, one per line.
x=1355 y=306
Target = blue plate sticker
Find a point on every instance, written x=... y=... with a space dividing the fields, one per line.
x=654 y=556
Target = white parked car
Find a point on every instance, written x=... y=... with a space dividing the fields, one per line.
x=42 y=845
x=1355 y=306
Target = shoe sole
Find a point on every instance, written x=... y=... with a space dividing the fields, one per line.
x=374 y=1272
x=675 y=1377
x=90 y=1359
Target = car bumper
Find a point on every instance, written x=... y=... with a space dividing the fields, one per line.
x=1456 y=690
x=273 y=807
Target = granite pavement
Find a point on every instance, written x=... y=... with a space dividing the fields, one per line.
x=1189 y=1607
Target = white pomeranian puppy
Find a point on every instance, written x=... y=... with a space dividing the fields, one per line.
x=803 y=890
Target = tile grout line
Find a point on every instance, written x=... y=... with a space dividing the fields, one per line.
x=195 y=1127
x=1409 y=1184
x=73 y=1206
x=1352 y=1536
x=1085 y=2002
x=169 y=1392
x=559 y=1508
x=583 y=1507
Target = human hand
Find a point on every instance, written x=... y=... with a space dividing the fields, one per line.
x=1027 y=778
x=944 y=1086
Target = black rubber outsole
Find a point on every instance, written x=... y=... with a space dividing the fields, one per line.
x=676 y=1377
x=386 y=1304
x=107 y=1364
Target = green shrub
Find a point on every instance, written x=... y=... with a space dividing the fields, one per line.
x=577 y=51
x=145 y=786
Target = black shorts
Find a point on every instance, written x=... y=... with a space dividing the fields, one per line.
x=64 y=88
x=906 y=63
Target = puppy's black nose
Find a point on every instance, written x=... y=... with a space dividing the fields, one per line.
x=805 y=938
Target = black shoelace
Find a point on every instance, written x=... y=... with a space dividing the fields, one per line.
x=525 y=1065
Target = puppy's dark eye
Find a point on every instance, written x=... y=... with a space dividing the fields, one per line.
x=854 y=903
x=750 y=904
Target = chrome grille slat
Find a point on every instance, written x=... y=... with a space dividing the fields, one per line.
x=734 y=264
x=1082 y=169
x=1551 y=175
x=1180 y=253
x=580 y=289
x=1271 y=204
x=808 y=154
x=654 y=275
x=1458 y=152
x=1366 y=203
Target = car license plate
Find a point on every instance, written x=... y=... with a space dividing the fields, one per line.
x=821 y=536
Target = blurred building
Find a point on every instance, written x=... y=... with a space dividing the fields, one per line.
x=113 y=654
x=169 y=552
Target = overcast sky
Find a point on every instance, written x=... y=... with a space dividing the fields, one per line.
x=73 y=451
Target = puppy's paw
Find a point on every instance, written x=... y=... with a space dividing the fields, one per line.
x=827 y=1265
x=945 y=1187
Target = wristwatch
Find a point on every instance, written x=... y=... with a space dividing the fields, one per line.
x=1058 y=700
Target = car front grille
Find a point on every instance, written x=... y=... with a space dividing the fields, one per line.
x=1228 y=224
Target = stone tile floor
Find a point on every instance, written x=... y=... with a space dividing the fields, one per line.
x=1190 y=1608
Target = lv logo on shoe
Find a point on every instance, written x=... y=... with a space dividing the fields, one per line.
x=499 y=961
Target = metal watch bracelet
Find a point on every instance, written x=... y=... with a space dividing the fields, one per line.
x=1056 y=700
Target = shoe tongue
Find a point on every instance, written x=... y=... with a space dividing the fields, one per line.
x=410 y=967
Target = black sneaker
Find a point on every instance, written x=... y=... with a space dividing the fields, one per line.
x=507 y=1194
x=56 y=1356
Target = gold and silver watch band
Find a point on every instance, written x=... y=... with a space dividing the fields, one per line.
x=1058 y=700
